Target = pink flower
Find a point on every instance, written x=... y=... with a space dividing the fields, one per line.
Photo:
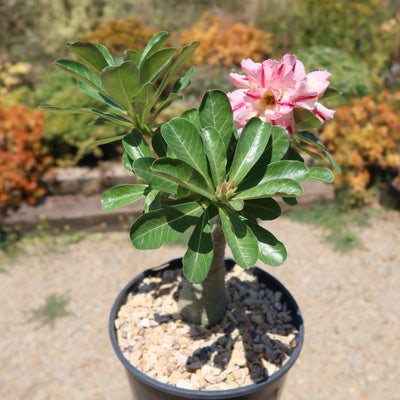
x=272 y=90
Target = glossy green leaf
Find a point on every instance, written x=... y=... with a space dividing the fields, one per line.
x=152 y=201
x=305 y=119
x=279 y=143
x=118 y=119
x=144 y=101
x=215 y=110
x=264 y=209
x=89 y=53
x=183 y=82
x=90 y=91
x=122 y=195
x=251 y=145
x=152 y=46
x=159 y=144
x=239 y=238
x=154 y=64
x=100 y=142
x=132 y=55
x=236 y=204
x=106 y=54
x=216 y=154
x=270 y=250
x=289 y=169
x=275 y=187
x=198 y=257
x=81 y=73
x=155 y=228
x=182 y=174
x=135 y=145
x=121 y=83
x=311 y=139
x=142 y=166
x=127 y=162
x=321 y=174
x=176 y=65
x=192 y=115
x=184 y=140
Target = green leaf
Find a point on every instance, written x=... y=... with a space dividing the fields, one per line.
x=291 y=201
x=142 y=166
x=159 y=144
x=153 y=229
x=152 y=201
x=106 y=54
x=305 y=119
x=121 y=83
x=192 y=115
x=89 y=53
x=135 y=145
x=330 y=92
x=184 y=140
x=122 y=195
x=183 y=82
x=279 y=143
x=216 y=154
x=275 y=187
x=240 y=238
x=176 y=65
x=321 y=174
x=264 y=209
x=100 y=142
x=310 y=139
x=270 y=250
x=183 y=174
x=81 y=73
x=132 y=55
x=144 y=101
x=236 y=204
x=118 y=119
x=199 y=254
x=251 y=145
x=215 y=110
x=154 y=64
x=163 y=105
x=289 y=169
x=127 y=162
x=152 y=46
x=90 y=91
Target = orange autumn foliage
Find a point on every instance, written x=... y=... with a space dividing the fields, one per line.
x=23 y=159
x=225 y=44
x=364 y=139
x=119 y=35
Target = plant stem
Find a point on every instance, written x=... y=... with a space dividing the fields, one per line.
x=205 y=303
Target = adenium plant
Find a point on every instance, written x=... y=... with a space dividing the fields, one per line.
x=215 y=169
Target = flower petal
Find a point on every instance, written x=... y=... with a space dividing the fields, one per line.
x=323 y=113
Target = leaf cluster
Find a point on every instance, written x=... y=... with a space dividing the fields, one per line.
x=201 y=170
x=132 y=85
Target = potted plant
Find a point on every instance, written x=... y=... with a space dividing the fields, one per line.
x=215 y=170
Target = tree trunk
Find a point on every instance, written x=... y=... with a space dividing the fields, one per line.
x=205 y=303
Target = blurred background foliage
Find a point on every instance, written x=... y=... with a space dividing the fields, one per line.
x=357 y=41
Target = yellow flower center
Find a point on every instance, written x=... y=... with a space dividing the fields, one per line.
x=267 y=100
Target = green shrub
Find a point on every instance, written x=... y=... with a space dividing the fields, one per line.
x=354 y=26
x=68 y=138
x=350 y=76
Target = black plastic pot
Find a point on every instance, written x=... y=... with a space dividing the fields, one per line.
x=146 y=388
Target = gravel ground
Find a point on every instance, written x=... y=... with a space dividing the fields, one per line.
x=350 y=304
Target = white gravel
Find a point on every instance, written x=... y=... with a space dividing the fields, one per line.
x=350 y=304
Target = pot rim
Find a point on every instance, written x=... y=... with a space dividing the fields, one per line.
x=205 y=394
